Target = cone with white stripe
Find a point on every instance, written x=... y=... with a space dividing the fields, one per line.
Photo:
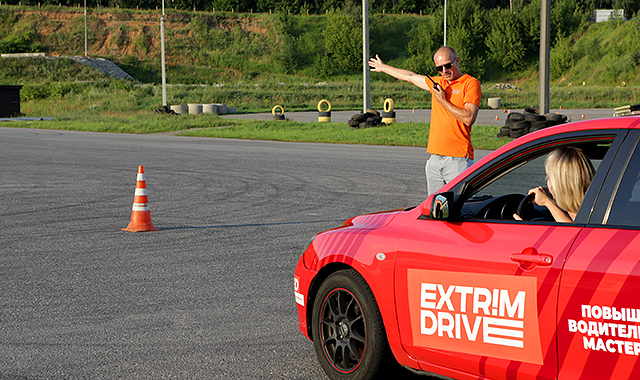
x=140 y=215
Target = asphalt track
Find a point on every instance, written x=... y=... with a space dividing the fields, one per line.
x=210 y=295
x=485 y=116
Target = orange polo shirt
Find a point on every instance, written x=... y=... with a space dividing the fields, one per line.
x=447 y=135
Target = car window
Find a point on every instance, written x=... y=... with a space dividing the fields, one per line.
x=525 y=177
x=518 y=180
x=499 y=198
x=625 y=210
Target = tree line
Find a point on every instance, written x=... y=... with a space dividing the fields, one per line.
x=585 y=7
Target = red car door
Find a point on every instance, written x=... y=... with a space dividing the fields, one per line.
x=465 y=304
x=599 y=306
x=477 y=294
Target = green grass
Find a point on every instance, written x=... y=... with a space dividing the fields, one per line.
x=137 y=123
x=397 y=134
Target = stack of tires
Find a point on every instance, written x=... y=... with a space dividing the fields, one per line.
x=368 y=119
x=519 y=124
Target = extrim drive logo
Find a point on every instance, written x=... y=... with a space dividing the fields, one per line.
x=488 y=315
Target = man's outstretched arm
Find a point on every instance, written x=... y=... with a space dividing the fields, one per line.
x=376 y=64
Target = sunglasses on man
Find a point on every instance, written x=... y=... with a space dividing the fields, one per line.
x=446 y=66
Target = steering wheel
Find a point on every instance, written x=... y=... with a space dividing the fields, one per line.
x=525 y=208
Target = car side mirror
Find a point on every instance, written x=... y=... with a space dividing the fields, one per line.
x=441 y=206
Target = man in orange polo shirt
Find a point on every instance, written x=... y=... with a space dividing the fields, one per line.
x=457 y=102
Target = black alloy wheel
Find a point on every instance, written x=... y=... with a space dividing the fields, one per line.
x=342 y=330
x=347 y=329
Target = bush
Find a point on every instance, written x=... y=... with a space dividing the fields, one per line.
x=561 y=59
x=289 y=56
x=322 y=67
x=34 y=92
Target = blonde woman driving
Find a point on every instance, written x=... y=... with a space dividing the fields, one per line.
x=569 y=174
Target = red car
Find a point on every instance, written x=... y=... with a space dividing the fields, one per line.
x=457 y=287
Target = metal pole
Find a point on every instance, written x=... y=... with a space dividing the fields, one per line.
x=545 y=36
x=365 y=56
x=85 y=28
x=445 y=23
x=164 y=71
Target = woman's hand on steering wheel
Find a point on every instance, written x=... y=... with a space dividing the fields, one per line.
x=519 y=215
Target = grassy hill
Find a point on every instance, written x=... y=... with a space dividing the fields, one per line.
x=255 y=61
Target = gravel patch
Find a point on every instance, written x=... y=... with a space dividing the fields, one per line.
x=106 y=66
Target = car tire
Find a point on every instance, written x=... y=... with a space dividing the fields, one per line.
x=555 y=119
x=504 y=131
x=538 y=125
x=515 y=133
x=518 y=125
x=534 y=117
x=373 y=112
x=515 y=116
x=347 y=330
x=360 y=117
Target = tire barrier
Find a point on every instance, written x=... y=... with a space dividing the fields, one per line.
x=324 y=116
x=519 y=124
x=388 y=115
x=277 y=116
x=388 y=105
x=369 y=118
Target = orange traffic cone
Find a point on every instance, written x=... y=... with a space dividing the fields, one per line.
x=413 y=111
x=582 y=117
x=497 y=117
x=140 y=215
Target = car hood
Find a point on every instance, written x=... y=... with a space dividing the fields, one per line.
x=372 y=221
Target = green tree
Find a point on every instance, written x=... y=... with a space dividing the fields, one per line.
x=343 y=41
x=424 y=40
x=505 y=41
x=566 y=16
x=466 y=32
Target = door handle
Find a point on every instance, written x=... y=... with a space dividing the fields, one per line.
x=537 y=259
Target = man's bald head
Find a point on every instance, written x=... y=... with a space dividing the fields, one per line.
x=446 y=52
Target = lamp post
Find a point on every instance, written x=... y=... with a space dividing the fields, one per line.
x=164 y=71
x=365 y=56
x=85 y=28
x=545 y=18
x=445 y=23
